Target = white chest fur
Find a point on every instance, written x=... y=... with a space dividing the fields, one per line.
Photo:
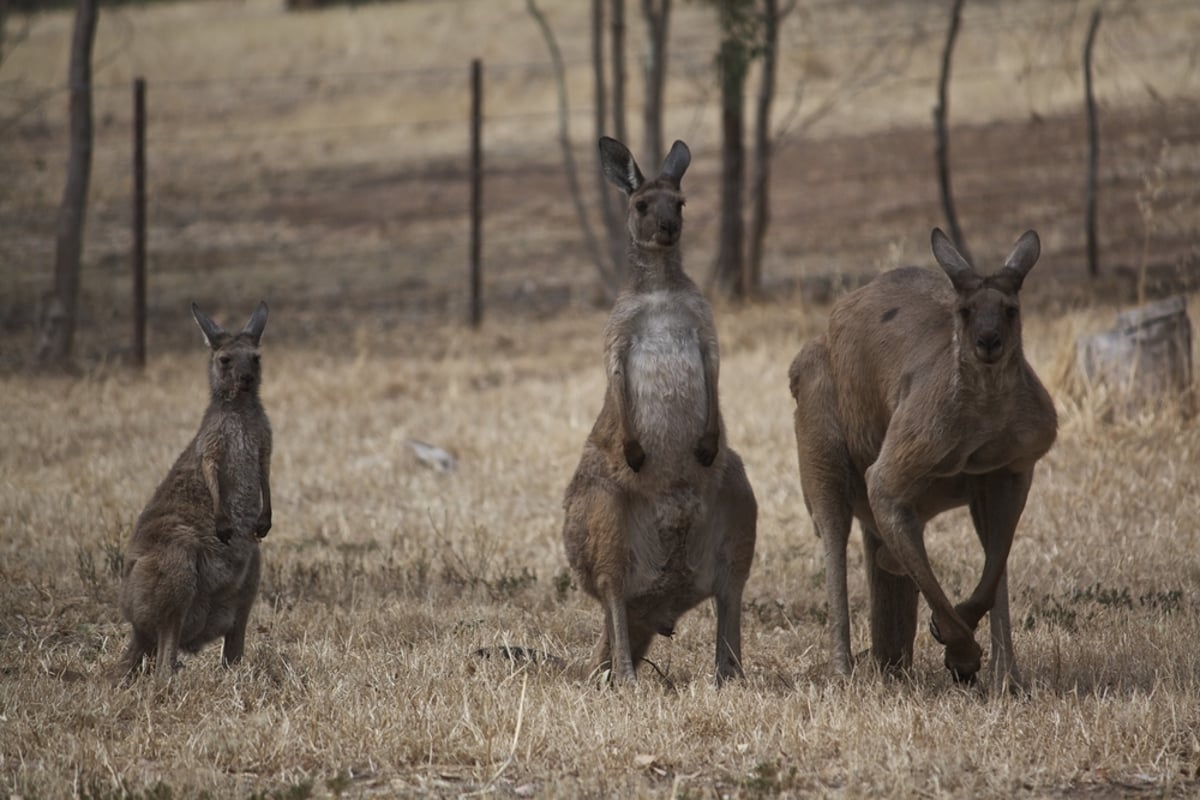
x=666 y=376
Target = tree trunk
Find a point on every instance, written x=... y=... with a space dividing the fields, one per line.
x=657 y=14
x=943 y=145
x=733 y=62
x=617 y=43
x=760 y=209
x=616 y=239
x=614 y=234
x=61 y=307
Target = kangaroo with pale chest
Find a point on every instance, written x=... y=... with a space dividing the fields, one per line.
x=193 y=562
x=919 y=399
x=659 y=514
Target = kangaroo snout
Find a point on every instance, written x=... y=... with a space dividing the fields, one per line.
x=668 y=232
x=989 y=346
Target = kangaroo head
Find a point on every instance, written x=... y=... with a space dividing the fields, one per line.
x=655 y=215
x=988 y=313
x=235 y=367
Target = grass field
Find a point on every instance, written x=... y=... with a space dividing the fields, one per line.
x=383 y=576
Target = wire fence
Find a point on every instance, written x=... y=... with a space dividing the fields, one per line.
x=349 y=188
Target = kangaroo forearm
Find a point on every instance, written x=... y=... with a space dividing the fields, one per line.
x=265 y=469
x=208 y=468
x=624 y=403
x=711 y=423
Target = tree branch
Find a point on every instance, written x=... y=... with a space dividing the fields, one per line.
x=564 y=140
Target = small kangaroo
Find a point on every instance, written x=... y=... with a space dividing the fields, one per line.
x=193 y=561
x=659 y=513
x=919 y=399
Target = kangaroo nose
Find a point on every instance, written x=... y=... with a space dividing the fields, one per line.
x=668 y=233
x=988 y=345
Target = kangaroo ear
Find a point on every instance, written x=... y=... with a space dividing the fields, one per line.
x=952 y=262
x=258 y=321
x=1024 y=255
x=676 y=162
x=619 y=166
x=211 y=330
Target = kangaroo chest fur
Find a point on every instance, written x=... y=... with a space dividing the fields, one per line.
x=665 y=374
x=673 y=547
x=240 y=471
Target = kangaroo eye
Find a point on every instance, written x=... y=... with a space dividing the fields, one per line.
x=641 y=206
x=225 y=361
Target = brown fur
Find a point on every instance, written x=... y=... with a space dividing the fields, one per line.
x=919 y=399
x=193 y=561
x=659 y=513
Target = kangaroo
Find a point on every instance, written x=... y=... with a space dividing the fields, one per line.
x=659 y=513
x=193 y=561
x=919 y=399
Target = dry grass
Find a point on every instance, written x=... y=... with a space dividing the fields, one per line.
x=383 y=576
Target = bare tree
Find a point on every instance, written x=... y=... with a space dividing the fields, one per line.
x=738 y=23
x=943 y=144
x=603 y=266
x=61 y=306
x=657 y=14
x=760 y=203
x=617 y=63
x=750 y=29
x=609 y=109
x=613 y=233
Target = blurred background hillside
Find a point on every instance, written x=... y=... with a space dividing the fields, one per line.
x=318 y=158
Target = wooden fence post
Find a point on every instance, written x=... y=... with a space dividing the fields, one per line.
x=476 y=190
x=1089 y=222
x=139 y=222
